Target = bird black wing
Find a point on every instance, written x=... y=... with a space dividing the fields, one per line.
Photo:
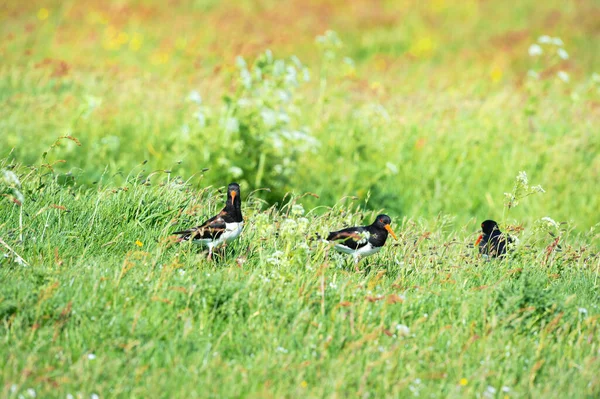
x=211 y=229
x=351 y=237
x=495 y=245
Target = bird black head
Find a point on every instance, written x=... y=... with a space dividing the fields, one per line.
x=489 y=226
x=233 y=193
x=384 y=221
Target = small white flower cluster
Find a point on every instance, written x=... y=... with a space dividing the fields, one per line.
x=297 y=210
x=550 y=222
x=276 y=258
x=11 y=180
x=521 y=190
x=364 y=237
x=202 y=112
x=553 y=47
x=402 y=330
x=288 y=227
x=490 y=392
x=329 y=42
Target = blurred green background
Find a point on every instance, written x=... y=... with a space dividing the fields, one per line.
x=420 y=107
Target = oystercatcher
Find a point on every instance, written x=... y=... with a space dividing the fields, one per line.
x=222 y=228
x=363 y=240
x=492 y=242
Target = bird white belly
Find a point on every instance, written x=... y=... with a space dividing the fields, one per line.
x=232 y=231
x=368 y=250
x=362 y=251
x=344 y=249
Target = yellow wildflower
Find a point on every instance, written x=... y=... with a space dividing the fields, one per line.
x=42 y=14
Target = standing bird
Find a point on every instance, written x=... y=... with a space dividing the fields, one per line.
x=222 y=228
x=363 y=240
x=492 y=242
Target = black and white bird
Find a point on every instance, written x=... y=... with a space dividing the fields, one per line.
x=362 y=241
x=492 y=242
x=222 y=228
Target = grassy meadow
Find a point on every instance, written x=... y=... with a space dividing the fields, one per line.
x=123 y=121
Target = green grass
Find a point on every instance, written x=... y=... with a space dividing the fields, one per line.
x=425 y=112
x=273 y=316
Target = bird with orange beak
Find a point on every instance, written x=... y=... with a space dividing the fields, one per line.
x=222 y=228
x=362 y=241
x=492 y=242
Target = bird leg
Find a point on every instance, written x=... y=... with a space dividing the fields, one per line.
x=356 y=261
x=210 y=253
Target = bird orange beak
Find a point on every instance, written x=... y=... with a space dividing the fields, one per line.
x=389 y=229
x=233 y=194
x=479 y=239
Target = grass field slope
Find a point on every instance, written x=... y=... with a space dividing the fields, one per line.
x=122 y=122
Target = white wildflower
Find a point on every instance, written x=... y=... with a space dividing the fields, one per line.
x=284 y=96
x=281 y=349
x=232 y=125
x=291 y=77
x=269 y=117
x=278 y=68
x=306 y=75
x=296 y=61
x=240 y=62
x=545 y=39
x=276 y=258
x=195 y=97
x=550 y=222
x=490 y=392
x=533 y=74
x=91 y=356
x=31 y=392
x=288 y=226
x=258 y=75
x=181 y=272
x=403 y=330
x=538 y=189
x=522 y=178
x=505 y=389
x=269 y=55
x=94 y=396
x=185 y=131
x=392 y=168
x=557 y=41
x=11 y=178
x=244 y=102
x=535 y=50
x=297 y=210
x=236 y=171
x=582 y=311
x=562 y=53
x=283 y=116
x=246 y=78
x=562 y=75
x=364 y=237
